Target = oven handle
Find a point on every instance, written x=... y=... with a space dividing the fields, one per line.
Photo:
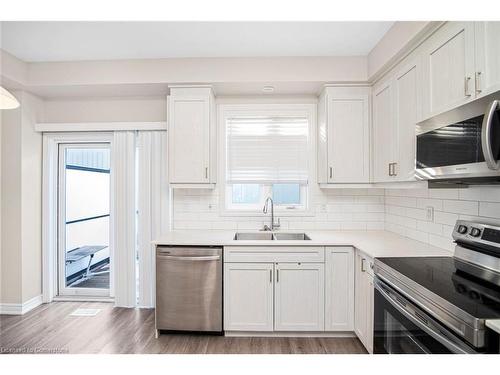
x=486 y=136
x=438 y=336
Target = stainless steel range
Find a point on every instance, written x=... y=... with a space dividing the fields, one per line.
x=441 y=304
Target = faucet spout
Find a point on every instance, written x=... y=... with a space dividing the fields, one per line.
x=265 y=209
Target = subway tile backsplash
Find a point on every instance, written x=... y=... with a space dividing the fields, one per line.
x=334 y=209
x=403 y=211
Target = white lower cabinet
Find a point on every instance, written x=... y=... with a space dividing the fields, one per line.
x=363 y=316
x=296 y=289
x=339 y=288
x=248 y=296
x=299 y=297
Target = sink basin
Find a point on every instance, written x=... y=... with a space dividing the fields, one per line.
x=291 y=237
x=269 y=236
x=264 y=236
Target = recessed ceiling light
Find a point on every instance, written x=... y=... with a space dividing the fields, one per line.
x=268 y=89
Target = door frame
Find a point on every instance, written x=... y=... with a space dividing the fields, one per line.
x=51 y=142
x=63 y=290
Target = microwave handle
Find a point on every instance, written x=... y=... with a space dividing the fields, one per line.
x=491 y=162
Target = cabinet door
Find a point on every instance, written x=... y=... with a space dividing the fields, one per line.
x=406 y=103
x=299 y=297
x=360 y=298
x=248 y=297
x=448 y=67
x=348 y=135
x=487 y=75
x=384 y=134
x=189 y=139
x=339 y=289
x=369 y=313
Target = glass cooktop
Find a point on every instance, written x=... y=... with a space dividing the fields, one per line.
x=444 y=276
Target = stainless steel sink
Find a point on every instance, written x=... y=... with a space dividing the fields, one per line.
x=291 y=237
x=264 y=236
x=269 y=236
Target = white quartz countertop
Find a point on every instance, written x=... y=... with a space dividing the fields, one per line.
x=372 y=243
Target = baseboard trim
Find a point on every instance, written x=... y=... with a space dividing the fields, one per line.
x=20 y=308
x=288 y=334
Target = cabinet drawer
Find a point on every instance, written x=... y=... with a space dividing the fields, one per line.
x=274 y=254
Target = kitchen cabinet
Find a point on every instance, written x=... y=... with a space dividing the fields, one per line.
x=339 y=288
x=299 y=297
x=273 y=297
x=248 y=296
x=396 y=108
x=344 y=135
x=363 y=307
x=448 y=68
x=276 y=288
x=191 y=137
x=487 y=48
x=406 y=106
x=384 y=132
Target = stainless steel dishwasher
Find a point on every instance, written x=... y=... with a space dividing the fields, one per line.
x=189 y=289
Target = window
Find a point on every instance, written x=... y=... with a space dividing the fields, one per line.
x=266 y=156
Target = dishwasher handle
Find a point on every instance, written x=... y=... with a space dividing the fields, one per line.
x=188 y=258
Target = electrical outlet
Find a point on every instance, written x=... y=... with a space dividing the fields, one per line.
x=429 y=213
x=323 y=208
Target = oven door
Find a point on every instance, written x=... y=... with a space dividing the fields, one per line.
x=400 y=327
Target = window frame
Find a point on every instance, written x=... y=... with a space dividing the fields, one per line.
x=225 y=111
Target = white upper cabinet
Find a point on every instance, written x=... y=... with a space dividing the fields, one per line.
x=384 y=132
x=299 y=297
x=339 y=289
x=448 y=68
x=396 y=108
x=191 y=136
x=406 y=106
x=344 y=135
x=487 y=74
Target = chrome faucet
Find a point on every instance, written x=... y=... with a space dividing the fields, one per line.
x=273 y=225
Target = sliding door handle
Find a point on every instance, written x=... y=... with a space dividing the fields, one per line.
x=331 y=172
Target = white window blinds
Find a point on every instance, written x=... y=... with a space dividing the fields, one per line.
x=267 y=149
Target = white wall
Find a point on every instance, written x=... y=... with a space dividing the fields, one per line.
x=106 y=109
x=21 y=201
x=405 y=211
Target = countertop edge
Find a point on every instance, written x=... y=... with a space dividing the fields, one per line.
x=371 y=243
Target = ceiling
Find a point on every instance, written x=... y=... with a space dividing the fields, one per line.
x=75 y=41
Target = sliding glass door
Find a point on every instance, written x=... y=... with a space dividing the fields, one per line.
x=84 y=191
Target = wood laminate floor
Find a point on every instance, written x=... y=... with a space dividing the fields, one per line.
x=50 y=329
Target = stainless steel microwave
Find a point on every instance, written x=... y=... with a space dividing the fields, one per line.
x=461 y=146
